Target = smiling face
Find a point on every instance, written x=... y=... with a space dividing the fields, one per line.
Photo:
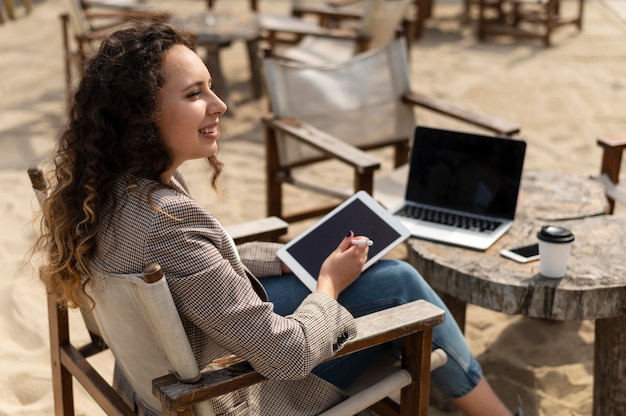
x=189 y=110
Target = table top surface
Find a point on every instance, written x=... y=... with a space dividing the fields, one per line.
x=543 y=195
x=594 y=285
x=555 y=196
x=221 y=26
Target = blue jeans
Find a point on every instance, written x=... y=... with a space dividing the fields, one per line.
x=385 y=284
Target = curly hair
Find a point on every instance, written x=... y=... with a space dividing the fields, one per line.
x=111 y=133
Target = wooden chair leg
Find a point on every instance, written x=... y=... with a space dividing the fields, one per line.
x=416 y=351
x=61 y=378
x=274 y=190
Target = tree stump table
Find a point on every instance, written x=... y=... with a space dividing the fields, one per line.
x=594 y=287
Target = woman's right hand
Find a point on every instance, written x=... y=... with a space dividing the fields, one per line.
x=342 y=267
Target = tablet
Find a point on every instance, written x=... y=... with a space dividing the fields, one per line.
x=360 y=213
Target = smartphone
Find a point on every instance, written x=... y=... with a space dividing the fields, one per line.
x=522 y=254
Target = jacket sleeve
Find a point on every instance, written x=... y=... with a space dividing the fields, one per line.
x=212 y=293
x=260 y=258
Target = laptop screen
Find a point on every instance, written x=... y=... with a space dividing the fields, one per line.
x=466 y=172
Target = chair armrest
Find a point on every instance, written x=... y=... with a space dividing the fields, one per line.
x=330 y=11
x=231 y=373
x=612 y=151
x=342 y=3
x=461 y=113
x=324 y=142
x=274 y=26
x=127 y=14
x=265 y=229
x=616 y=142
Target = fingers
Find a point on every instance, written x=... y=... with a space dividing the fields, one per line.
x=352 y=240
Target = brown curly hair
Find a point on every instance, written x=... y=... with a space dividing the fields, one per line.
x=111 y=133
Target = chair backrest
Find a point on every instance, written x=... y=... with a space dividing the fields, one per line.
x=40 y=187
x=80 y=23
x=358 y=101
x=136 y=317
x=140 y=324
x=381 y=20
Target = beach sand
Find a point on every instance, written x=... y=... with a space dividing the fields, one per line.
x=564 y=97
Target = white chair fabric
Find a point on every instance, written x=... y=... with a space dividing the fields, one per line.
x=613 y=190
x=379 y=23
x=357 y=101
x=141 y=326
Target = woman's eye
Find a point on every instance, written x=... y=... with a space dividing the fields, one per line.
x=193 y=94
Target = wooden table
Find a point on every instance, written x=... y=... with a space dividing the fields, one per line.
x=215 y=30
x=594 y=287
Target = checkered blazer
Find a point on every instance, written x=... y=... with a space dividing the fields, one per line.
x=220 y=301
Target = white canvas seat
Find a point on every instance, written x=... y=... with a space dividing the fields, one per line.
x=139 y=321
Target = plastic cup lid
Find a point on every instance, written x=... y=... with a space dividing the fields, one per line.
x=555 y=234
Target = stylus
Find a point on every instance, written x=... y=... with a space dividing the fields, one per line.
x=362 y=242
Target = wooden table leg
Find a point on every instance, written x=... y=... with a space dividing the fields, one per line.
x=609 y=367
x=457 y=308
x=255 y=67
x=424 y=11
x=218 y=81
x=10 y=8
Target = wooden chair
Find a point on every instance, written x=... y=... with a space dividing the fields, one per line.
x=369 y=27
x=612 y=150
x=526 y=19
x=10 y=8
x=339 y=112
x=160 y=338
x=84 y=25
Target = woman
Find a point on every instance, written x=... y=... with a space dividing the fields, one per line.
x=143 y=108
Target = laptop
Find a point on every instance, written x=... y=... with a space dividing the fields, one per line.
x=462 y=187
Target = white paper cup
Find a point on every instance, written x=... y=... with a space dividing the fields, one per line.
x=555 y=244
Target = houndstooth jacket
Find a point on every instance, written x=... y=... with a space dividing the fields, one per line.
x=223 y=306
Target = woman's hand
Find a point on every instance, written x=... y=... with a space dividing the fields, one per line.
x=342 y=267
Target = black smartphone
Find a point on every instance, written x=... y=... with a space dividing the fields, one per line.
x=522 y=254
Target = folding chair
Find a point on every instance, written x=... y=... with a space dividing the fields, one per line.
x=525 y=19
x=83 y=27
x=139 y=321
x=322 y=112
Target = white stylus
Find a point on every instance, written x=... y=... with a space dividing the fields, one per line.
x=362 y=242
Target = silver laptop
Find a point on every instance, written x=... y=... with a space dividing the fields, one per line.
x=462 y=187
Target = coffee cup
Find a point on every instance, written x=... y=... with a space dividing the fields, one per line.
x=555 y=243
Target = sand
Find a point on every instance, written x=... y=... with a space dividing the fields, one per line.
x=563 y=97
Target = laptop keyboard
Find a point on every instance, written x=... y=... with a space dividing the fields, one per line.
x=447 y=218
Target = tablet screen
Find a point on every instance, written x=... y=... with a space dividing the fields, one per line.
x=361 y=214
